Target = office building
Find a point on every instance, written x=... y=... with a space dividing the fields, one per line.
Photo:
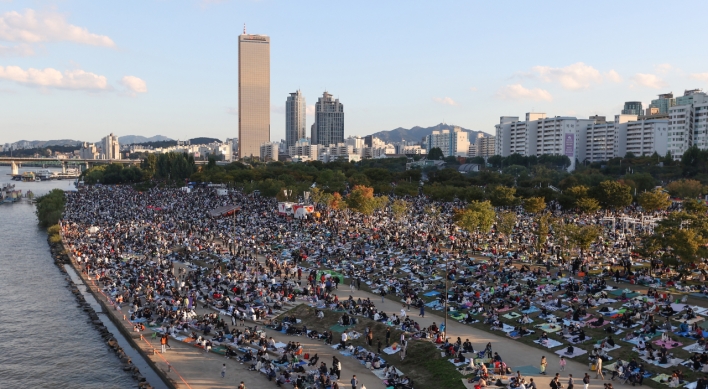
x=110 y=147
x=328 y=128
x=269 y=151
x=253 y=93
x=633 y=108
x=452 y=143
x=295 y=115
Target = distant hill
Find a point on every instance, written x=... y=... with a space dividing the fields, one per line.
x=203 y=141
x=416 y=134
x=49 y=143
x=132 y=139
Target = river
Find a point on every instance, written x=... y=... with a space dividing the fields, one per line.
x=46 y=340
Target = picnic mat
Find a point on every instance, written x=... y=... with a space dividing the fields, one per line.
x=629 y=294
x=576 y=352
x=340 y=328
x=431 y=294
x=668 y=344
x=531 y=310
x=390 y=350
x=526 y=370
x=550 y=328
x=511 y=315
x=550 y=343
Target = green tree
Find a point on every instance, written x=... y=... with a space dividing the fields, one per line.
x=541 y=230
x=399 y=208
x=502 y=196
x=362 y=199
x=534 y=204
x=613 y=194
x=587 y=205
x=654 y=201
x=478 y=215
x=685 y=189
x=506 y=221
x=583 y=236
x=435 y=153
x=695 y=206
x=50 y=208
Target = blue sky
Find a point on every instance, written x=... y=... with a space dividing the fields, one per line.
x=82 y=69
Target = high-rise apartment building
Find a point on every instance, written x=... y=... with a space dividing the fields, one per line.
x=662 y=104
x=111 y=147
x=269 y=151
x=539 y=135
x=454 y=143
x=295 y=115
x=328 y=128
x=686 y=127
x=633 y=108
x=482 y=147
x=253 y=93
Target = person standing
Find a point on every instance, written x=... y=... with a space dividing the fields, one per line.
x=570 y=381
x=354 y=381
x=544 y=363
x=586 y=380
x=223 y=370
x=408 y=303
x=599 y=368
x=388 y=337
x=562 y=363
x=422 y=311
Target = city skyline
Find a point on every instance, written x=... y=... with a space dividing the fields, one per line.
x=72 y=68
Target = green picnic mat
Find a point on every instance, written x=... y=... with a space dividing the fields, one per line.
x=618 y=292
x=340 y=328
x=332 y=273
x=511 y=315
x=457 y=315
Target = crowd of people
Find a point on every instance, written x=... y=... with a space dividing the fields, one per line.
x=161 y=255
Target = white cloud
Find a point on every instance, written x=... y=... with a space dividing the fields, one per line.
x=572 y=77
x=663 y=68
x=310 y=110
x=134 y=84
x=52 y=78
x=32 y=27
x=279 y=109
x=700 y=76
x=649 y=80
x=518 y=92
x=22 y=50
x=232 y=110
x=613 y=76
x=445 y=100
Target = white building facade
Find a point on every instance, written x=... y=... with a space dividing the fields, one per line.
x=454 y=143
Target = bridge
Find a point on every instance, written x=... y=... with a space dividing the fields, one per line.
x=16 y=162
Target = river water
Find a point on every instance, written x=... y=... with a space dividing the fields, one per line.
x=45 y=338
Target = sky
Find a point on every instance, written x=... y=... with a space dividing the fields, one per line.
x=82 y=69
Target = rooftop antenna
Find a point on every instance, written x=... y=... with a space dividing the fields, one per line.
x=244 y=29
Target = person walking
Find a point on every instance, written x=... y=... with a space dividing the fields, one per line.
x=422 y=311
x=586 y=381
x=163 y=343
x=223 y=370
x=408 y=303
x=404 y=346
x=599 y=368
x=544 y=363
x=570 y=381
x=383 y=294
x=354 y=381
x=562 y=363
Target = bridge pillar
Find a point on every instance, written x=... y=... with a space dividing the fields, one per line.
x=15 y=169
x=63 y=167
x=87 y=166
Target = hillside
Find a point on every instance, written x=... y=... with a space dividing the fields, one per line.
x=416 y=134
x=132 y=139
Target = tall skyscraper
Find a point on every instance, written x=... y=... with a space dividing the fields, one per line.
x=111 y=147
x=294 y=118
x=329 y=121
x=253 y=93
x=633 y=108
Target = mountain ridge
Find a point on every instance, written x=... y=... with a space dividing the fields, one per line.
x=417 y=133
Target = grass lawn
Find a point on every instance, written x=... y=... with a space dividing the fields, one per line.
x=423 y=363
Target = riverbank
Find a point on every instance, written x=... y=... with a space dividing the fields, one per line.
x=61 y=260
